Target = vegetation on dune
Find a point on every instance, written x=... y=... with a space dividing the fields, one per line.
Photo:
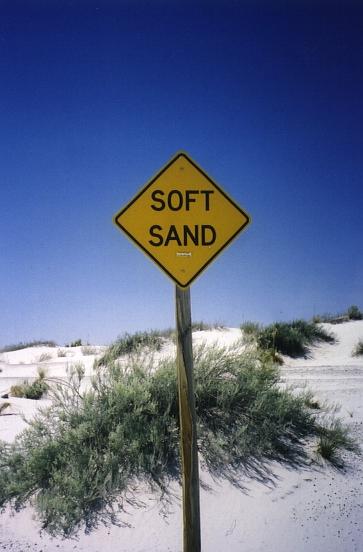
x=26 y=344
x=87 y=350
x=292 y=339
x=352 y=313
x=332 y=439
x=76 y=343
x=250 y=329
x=28 y=390
x=358 y=350
x=355 y=313
x=4 y=406
x=79 y=461
x=153 y=340
x=200 y=326
x=44 y=357
x=131 y=343
x=33 y=390
x=287 y=338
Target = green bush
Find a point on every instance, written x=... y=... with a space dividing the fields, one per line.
x=283 y=338
x=28 y=390
x=354 y=313
x=77 y=460
x=292 y=338
x=76 y=343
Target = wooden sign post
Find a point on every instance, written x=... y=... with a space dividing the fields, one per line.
x=188 y=429
x=182 y=220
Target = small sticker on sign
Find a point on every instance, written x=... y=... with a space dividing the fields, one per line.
x=183 y=254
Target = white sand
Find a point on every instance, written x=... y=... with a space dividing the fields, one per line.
x=309 y=510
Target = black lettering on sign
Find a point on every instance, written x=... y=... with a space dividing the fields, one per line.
x=172 y=235
x=207 y=193
x=189 y=233
x=189 y=197
x=199 y=235
x=154 y=234
x=177 y=200
x=157 y=199
x=208 y=234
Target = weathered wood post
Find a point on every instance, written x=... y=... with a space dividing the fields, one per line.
x=187 y=416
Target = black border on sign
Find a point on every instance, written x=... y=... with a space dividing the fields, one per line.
x=143 y=190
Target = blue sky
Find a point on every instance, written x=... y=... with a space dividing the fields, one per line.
x=96 y=97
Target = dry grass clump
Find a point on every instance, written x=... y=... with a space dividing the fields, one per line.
x=333 y=439
x=4 y=406
x=44 y=357
x=358 y=350
x=87 y=350
x=34 y=390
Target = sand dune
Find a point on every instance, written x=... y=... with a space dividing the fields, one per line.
x=312 y=509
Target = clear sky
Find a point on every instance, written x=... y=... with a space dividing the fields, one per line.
x=95 y=97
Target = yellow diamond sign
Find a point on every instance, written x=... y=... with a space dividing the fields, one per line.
x=182 y=219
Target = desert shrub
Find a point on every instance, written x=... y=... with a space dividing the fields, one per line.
x=25 y=345
x=292 y=338
x=33 y=390
x=283 y=338
x=28 y=390
x=77 y=460
x=76 y=343
x=131 y=343
x=61 y=353
x=44 y=357
x=354 y=313
x=358 y=350
x=87 y=350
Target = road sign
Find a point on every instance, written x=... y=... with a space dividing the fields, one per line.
x=182 y=219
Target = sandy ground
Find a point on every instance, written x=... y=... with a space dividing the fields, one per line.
x=313 y=509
